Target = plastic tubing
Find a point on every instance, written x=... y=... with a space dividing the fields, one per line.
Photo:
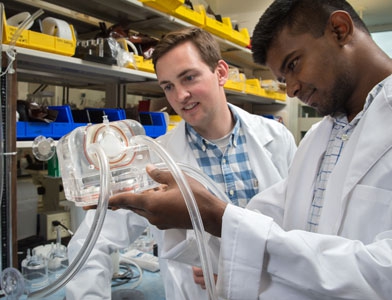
x=200 y=177
x=94 y=232
x=139 y=269
x=10 y=51
x=100 y=214
x=192 y=209
x=11 y=56
x=133 y=47
x=204 y=180
x=23 y=26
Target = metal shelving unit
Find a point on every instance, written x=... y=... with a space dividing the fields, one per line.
x=53 y=69
x=73 y=72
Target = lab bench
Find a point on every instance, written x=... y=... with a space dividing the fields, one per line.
x=150 y=288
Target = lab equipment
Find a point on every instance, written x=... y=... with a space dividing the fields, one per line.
x=127 y=150
x=12 y=283
x=35 y=271
x=57 y=258
x=99 y=160
x=43 y=148
x=79 y=168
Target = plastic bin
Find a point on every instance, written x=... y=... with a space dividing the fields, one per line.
x=40 y=41
x=240 y=37
x=114 y=114
x=222 y=29
x=235 y=85
x=154 y=123
x=163 y=5
x=193 y=16
x=55 y=130
x=273 y=95
x=142 y=64
x=253 y=86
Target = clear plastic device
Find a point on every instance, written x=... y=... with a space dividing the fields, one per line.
x=97 y=161
x=80 y=169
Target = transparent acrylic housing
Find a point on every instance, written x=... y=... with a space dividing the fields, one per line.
x=79 y=167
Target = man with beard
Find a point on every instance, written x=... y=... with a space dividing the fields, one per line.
x=241 y=152
x=325 y=232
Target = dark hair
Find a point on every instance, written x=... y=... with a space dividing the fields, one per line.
x=205 y=43
x=301 y=16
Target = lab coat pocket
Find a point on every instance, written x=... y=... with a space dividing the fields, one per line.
x=368 y=213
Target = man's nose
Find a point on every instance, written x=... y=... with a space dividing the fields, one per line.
x=292 y=87
x=181 y=93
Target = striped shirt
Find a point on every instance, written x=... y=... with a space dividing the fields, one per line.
x=341 y=132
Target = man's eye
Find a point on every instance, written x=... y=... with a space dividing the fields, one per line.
x=292 y=65
x=189 y=78
x=167 y=87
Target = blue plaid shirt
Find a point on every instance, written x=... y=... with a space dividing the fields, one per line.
x=231 y=170
x=341 y=132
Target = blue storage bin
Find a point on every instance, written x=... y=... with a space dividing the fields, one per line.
x=55 y=130
x=114 y=114
x=20 y=129
x=64 y=115
x=154 y=123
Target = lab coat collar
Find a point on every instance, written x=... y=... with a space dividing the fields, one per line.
x=248 y=122
x=357 y=159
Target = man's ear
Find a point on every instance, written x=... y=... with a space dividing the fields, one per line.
x=222 y=70
x=341 y=26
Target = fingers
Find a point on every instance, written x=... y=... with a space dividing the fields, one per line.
x=127 y=201
x=160 y=176
x=88 y=207
x=198 y=277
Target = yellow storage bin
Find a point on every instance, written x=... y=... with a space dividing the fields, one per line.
x=174 y=120
x=235 y=85
x=193 y=16
x=166 y=6
x=39 y=41
x=273 y=95
x=253 y=87
x=222 y=29
x=141 y=64
x=241 y=37
x=138 y=61
x=146 y=65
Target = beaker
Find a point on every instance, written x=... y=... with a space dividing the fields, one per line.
x=35 y=272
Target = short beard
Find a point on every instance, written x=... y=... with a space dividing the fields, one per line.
x=340 y=93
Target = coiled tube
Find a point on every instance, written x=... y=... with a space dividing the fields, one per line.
x=99 y=217
x=192 y=209
x=94 y=232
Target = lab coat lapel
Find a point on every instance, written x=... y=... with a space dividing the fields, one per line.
x=355 y=162
x=305 y=167
x=177 y=144
x=257 y=138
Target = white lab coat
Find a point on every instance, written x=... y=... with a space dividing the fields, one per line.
x=351 y=255
x=271 y=150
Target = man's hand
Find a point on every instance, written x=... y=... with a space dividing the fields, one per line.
x=166 y=207
x=198 y=277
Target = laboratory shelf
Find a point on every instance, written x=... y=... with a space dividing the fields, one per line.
x=139 y=18
x=244 y=97
x=50 y=68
